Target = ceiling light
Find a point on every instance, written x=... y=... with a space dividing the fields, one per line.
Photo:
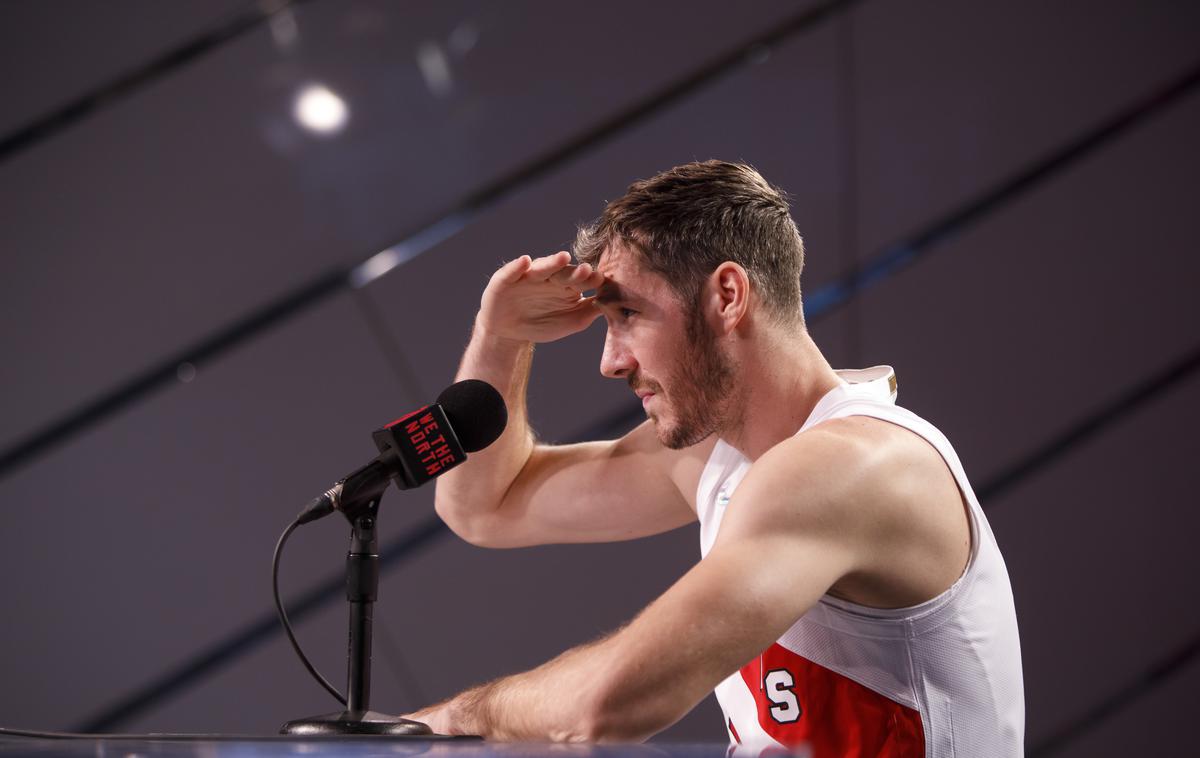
x=319 y=110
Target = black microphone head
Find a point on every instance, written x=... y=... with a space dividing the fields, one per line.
x=476 y=412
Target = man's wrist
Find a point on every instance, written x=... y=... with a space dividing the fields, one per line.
x=468 y=712
x=492 y=338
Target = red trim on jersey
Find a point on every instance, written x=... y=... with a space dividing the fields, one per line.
x=828 y=712
x=733 y=731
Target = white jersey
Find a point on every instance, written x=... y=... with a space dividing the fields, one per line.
x=938 y=679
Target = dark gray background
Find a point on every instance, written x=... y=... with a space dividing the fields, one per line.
x=173 y=212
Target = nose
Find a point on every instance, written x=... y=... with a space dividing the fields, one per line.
x=617 y=361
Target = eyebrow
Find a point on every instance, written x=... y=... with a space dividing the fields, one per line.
x=609 y=292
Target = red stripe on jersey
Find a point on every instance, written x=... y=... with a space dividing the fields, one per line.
x=801 y=703
x=733 y=731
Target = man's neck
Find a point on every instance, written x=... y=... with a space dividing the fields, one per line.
x=782 y=381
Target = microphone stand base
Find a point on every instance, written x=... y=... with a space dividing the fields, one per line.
x=358 y=723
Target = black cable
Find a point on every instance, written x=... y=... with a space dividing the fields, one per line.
x=833 y=296
x=424 y=533
x=287 y=627
x=251 y=635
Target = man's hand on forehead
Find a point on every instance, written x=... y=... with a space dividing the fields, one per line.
x=558 y=269
x=539 y=299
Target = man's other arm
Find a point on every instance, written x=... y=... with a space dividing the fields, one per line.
x=517 y=492
x=787 y=537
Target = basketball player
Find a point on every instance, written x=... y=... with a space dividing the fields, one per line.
x=851 y=599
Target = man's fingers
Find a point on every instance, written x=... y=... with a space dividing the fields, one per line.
x=513 y=270
x=547 y=266
x=594 y=280
x=570 y=276
x=580 y=275
x=585 y=311
x=554 y=268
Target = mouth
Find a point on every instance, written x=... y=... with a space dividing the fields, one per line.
x=643 y=389
x=644 y=395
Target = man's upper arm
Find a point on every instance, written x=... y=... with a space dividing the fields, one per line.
x=781 y=545
x=598 y=492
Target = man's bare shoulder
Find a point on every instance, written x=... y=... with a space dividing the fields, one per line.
x=880 y=490
x=811 y=477
x=858 y=456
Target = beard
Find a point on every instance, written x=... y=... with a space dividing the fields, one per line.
x=701 y=386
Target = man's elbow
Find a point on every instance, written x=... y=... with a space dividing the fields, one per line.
x=628 y=717
x=613 y=728
x=470 y=528
x=480 y=528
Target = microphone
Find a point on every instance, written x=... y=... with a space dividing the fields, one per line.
x=468 y=416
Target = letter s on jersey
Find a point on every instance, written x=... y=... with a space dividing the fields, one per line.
x=778 y=684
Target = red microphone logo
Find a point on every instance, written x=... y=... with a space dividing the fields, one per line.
x=424 y=443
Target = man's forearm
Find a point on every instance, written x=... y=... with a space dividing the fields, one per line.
x=561 y=700
x=468 y=493
x=525 y=301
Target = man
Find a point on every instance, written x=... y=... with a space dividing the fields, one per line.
x=851 y=598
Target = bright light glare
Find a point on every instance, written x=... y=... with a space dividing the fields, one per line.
x=320 y=110
x=378 y=265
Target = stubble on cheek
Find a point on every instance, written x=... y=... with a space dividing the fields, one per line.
x=702 y=390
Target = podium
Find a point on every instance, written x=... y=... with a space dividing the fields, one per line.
x=50 y=745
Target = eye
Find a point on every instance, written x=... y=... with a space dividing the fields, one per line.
x=627 y=312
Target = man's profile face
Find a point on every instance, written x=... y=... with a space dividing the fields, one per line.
x=664 y=350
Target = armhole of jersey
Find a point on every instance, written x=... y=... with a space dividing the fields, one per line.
x=721 y=463
x=926 y=431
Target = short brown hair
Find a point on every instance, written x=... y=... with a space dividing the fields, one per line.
x=685 y=222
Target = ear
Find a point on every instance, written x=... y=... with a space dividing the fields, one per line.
x=727 y=295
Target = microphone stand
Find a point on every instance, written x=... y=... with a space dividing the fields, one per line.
x=362 y=585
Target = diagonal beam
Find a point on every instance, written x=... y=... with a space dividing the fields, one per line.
x=424 y=236
x=116 y=90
